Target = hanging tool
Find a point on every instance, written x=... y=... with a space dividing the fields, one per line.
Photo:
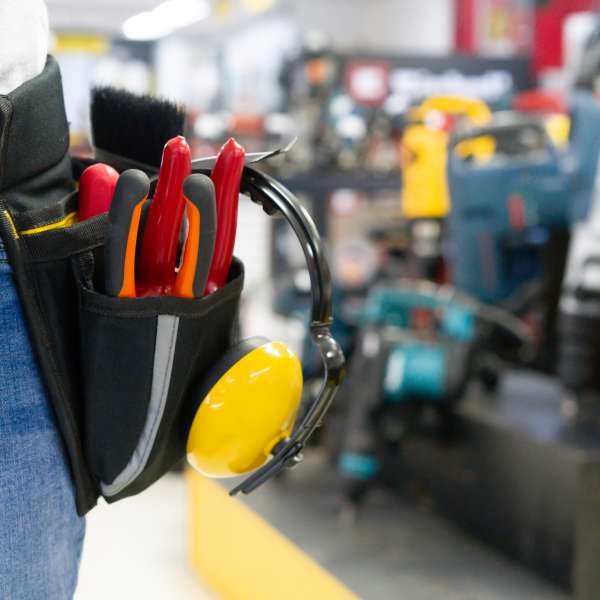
x=424 y=152
x=121 y=238
x=505 y=210
x=199 y=193
x=227 y=176
x=425 y=199
x=96 y=188
x=156 y=275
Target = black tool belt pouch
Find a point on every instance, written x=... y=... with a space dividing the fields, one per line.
x=122 y=373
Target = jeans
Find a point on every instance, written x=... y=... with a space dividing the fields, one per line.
x=41 y=535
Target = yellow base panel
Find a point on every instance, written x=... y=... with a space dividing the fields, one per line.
x=241 y=557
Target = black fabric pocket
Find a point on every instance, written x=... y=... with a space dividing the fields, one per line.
x=143 y=360
x=41 y=261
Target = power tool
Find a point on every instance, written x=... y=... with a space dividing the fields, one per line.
x=423 y=150
x=551 y=107
x=505 y=209
x=419 y=346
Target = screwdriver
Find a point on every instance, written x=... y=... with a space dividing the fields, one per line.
x=96 y=188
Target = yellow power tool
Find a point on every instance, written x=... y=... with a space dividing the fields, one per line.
x=423 y=152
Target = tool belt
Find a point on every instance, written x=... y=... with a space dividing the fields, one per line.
x=121 y=372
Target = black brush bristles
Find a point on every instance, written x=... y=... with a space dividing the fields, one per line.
x=133 y=127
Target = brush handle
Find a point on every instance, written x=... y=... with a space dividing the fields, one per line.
x=163 y=223
x=227 y=176
x=199 y=193
x=121 y=237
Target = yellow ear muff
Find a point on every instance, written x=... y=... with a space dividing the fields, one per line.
x=250 y=406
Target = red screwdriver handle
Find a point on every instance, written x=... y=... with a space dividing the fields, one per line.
x=96 y=188
x=157 y=261
x=227 y=176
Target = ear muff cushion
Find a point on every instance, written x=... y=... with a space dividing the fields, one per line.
x=248 y=403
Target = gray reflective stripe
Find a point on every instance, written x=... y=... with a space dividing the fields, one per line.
x=164 y=353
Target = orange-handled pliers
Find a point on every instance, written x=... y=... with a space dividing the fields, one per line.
x=123 y=228
x=199 y=194
x=121 y=239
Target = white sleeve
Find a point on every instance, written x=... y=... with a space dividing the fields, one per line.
x=24 y=38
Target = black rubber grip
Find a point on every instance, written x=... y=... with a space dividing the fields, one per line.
x=200 y=191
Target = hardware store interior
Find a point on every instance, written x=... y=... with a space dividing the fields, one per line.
x=393 y=204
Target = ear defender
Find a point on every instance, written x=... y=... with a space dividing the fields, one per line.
x=247 y=406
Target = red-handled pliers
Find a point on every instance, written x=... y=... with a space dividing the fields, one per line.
x=227 y=176
x=158 y=255
x=123 y=231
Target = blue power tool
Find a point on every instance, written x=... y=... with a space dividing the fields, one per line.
x=503 y=210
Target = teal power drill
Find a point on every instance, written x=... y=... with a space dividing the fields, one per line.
x=419 y=346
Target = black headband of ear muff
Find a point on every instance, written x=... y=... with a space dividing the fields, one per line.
x=276 y=199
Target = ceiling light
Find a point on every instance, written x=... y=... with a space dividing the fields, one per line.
x=165 y=18
x=145 y=26
x=181 y=13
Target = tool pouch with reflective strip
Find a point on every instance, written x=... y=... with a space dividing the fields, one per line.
x=143 y=360
x=121 y=372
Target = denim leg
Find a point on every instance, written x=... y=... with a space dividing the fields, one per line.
x=41 y=535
